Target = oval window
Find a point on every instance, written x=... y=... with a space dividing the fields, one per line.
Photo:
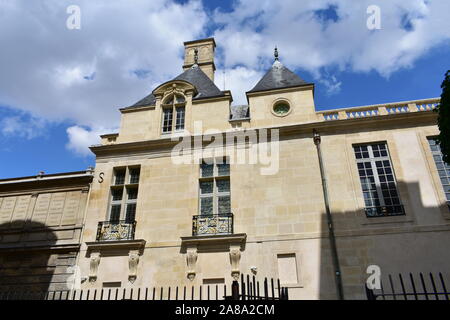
x=281 y=108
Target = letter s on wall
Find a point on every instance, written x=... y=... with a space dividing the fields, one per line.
x=100 y=177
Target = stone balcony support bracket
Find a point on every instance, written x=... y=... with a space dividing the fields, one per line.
x=191 y=260
x=133 y=260
x=93 y=265
x=234 y=244
x=131 y=248
x=235 y=258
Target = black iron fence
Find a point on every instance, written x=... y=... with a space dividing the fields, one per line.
x=428 y=287
x=247 y=289
x=250 y=290
x=212 y=224
x=116 y=230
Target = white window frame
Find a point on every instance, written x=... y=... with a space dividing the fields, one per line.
x=174 y=106
x=216 y=193
x=124 y=187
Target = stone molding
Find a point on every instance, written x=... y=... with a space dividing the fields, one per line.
x=233 y=243
x=93 y=266
x=132 y=248
x=235 y=257
x=211 y=243
x=133 y=260
x=116 y=245
x=191 y=260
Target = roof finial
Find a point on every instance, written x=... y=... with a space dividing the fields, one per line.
x=195 y=56
x=276 y=53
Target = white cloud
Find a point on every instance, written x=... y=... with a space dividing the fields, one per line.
x=250 y=32
x=46 y=69
x=84 y=75
x=239 y=80
x=22 y=126
x=80 y=139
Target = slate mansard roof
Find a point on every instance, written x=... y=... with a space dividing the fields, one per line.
x=278 y=77
x=195 y=76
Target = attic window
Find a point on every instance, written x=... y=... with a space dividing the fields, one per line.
x=281 y=108
x=173 y=113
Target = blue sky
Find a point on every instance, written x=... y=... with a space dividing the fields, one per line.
x=60 y=88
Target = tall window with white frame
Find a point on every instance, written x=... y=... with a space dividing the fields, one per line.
x=215 y=215
x=378 y=181
x=124 y=192
x=215 y=188
x=442 y=167
x=173 y=114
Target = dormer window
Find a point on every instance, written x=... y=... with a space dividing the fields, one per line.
x=173 y=111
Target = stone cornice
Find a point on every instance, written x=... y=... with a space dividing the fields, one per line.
x=379 y=122
x=138 y=244
x=214 y=242
x=306 y=86
x=31 y=247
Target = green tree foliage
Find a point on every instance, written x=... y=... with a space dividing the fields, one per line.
x=444 y=118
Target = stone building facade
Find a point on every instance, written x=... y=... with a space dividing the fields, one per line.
x=194 y=190
x=41 y=219
x=156 y=218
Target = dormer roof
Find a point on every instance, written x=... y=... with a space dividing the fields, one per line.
x=203 y=84
x=278 y=77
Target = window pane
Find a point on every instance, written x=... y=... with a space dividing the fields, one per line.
x=443 y=168
x=206 y=187
x=206 y=206
x=223 y=185
x=134 y=175
x=115 y=212
x=120 y=177
x=167 y=119
x=132 y=193
x=207 y=170
x=224 y=169
x=224 y=205
x=131 y=212
x=169 y=101
x=116 y=194
x=180 y=118
x=180 y=99
x=386 y=202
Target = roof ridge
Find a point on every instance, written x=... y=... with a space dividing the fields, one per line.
x=278 y=77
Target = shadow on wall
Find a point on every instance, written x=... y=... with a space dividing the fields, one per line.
x=27 y=263
x=412 y=243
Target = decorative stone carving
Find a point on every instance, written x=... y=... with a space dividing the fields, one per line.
x=133 y=260
x=95 y=261
x=191 y=259
x=235 y=257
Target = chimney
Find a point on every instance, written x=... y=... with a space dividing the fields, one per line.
x=205 y=52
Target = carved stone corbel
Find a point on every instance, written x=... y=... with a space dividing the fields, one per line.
x=133 y=260
x=191 y=259
x=94 y=262
x=235 y=257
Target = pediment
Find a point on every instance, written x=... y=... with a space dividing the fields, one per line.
x=175 y=86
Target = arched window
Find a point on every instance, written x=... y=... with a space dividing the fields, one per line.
x=173 y=108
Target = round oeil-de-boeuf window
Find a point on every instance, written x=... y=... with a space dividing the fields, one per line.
x=281 y=108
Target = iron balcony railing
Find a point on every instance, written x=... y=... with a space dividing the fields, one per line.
x=383 y=211
x=116 y=230
x=212 y=224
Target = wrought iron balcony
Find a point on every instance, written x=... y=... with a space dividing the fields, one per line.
x=384 y=211
x=116 y=230
x=212 y=224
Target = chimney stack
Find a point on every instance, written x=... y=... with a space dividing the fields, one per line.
x=205 y=54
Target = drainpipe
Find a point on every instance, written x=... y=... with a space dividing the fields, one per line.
x=332 y=238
